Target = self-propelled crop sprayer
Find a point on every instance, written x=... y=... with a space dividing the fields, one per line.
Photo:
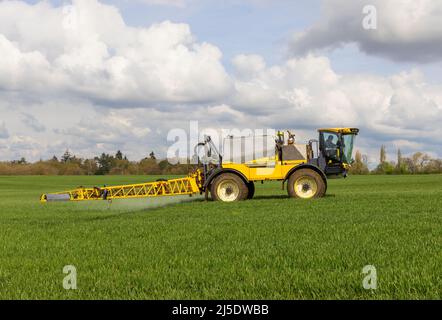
x=229 y=177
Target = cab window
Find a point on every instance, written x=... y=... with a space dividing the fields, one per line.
x=330 y=145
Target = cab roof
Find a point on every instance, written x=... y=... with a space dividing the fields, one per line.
x=341 y=130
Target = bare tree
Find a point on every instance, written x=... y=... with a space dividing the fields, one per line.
x=383 y=154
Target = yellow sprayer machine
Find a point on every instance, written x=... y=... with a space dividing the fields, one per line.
x=232 y=176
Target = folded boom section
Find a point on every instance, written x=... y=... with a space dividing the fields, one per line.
x=175 y=187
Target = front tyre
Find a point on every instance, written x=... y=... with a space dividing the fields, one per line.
x=306 y=184
x=228 y=187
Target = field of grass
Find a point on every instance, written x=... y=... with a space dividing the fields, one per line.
x=271 y=247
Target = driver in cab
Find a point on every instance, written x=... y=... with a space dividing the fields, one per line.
x=330 y=147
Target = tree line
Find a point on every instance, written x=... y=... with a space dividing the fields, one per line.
x=118 y=164
x=105 y=164
x=417 y=163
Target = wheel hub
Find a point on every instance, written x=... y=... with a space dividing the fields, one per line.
x=228 y=191
x=306 y=187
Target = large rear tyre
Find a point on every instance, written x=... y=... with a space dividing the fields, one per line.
x=228 y=187
x=306 y=184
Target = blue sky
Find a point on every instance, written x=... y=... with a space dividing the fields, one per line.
x=235 y=26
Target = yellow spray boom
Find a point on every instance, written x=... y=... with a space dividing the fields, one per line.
x=175 y=187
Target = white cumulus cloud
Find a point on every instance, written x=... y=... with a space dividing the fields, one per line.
x=307 y=93
x=80 y=77
x=407 y=30
x=87 y=49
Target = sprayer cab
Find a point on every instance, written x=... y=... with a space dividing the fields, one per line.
x=336 y=149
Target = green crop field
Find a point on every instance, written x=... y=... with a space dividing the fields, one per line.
x=271 y=247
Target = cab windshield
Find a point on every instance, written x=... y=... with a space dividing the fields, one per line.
x=348 y=141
